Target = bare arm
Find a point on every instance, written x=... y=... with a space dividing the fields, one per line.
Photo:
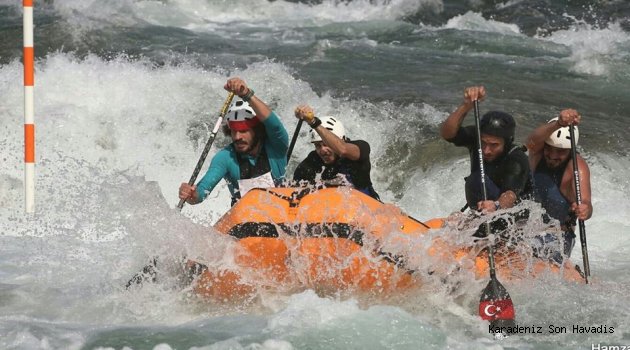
x=585 y=210
x=506 y=200
x=240 y=88
x=451 y=125
x=188 y=193
x=339 y=146
x=536 y=140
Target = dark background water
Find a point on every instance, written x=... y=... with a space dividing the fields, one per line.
x=568 y=54
x=534 y=57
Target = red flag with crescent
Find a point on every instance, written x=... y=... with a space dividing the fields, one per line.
x=496 y=310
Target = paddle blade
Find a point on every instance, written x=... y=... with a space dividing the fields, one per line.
x=495 y=303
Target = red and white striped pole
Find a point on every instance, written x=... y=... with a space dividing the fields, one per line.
x=29 y=118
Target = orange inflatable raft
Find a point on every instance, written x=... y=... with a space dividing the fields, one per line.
x=290 y=238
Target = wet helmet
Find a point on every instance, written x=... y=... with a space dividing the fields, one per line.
x=499 y=124
x=332 y=124
x=241 y=116
x=561 y=138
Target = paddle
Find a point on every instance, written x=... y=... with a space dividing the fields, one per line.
x=206 y=149
x=149 y=270
x=578 y=199
x=495 y=304
x=294 y=139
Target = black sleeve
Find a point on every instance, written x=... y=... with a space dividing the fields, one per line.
x=308 y=168
x=466 y=136
x=515 y=173
x=364 y=150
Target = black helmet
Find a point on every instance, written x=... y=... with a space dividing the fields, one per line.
x=498 y=124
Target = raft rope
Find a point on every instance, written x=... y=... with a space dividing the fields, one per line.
x=294 y=199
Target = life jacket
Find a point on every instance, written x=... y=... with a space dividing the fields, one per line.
x=547 y=192
x=342 y=167
x=473 y=181
x=249 y=171
x=344 y=170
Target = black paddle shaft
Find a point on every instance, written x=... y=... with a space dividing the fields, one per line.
x=483 y=186
x=206 y=149
x=578 y=199
x=294 y=139
x=494 y=291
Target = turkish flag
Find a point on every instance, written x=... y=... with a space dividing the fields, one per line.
x=496 y=309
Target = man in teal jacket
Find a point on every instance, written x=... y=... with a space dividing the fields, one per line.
x=257 y=156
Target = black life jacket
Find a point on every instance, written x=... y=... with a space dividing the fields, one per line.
x=491 y=169
x=249 y=171
x=547 y=192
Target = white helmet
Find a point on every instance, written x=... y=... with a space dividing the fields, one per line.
x=561 y=138
x=241 y=116
x=332 y=124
